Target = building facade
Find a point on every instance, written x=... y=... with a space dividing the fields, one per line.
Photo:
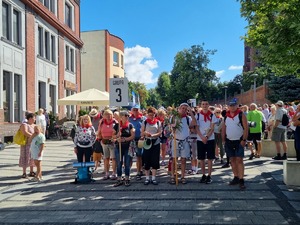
x=249 y=59
x=102 y=58
x=40 y=59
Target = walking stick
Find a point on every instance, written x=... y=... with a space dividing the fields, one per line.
x=120 y=134
x=175 y=159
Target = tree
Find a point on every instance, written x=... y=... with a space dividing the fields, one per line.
x=274 y=30
x=153 y=98
x=285 y=88
x=163 y=88
x=139 y=88
x=190 y=75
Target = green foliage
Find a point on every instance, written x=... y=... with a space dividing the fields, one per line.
x=164 y=88
x=285 y=88
x=274 y=30
x=141 y=89
x=190 y=75
x=153 y=98
x=83 y=112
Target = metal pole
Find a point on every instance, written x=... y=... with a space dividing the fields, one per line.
x=254 y=89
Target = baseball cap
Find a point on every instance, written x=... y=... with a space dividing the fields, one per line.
x=280 y=103
x=233 y=102
x=184 y=104
x=136 y=106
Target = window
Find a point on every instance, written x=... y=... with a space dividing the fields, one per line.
x=40 y=40
x=53 y=49
x=116 y=59
x=122 y=61
x=47 y=45
x=70 y=58
x=12 y=88
x=50 y=4
x=16 y=27
x=52 y=95
x=68 y=15
x=5 y=20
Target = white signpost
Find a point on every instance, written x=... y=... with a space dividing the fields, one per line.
x=118 y=94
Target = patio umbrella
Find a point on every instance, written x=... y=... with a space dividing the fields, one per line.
x=91 y=97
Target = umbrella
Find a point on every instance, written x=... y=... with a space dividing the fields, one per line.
x=86 y=98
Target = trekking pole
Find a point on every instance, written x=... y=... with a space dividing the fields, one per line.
x=175 y=159
x=119 y=108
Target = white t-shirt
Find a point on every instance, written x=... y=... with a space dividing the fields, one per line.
x=184 y=132
x=41 y=120
x=204 y=126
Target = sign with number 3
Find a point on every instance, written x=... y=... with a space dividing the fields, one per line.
x=118 y=92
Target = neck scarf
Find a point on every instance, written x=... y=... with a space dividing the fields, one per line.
x=152 y=122
x=124 y=126
x=183 y=115
x=108 y=123
x=161 y=120
x=206 y=115
x=139 y=116
x=228 y=114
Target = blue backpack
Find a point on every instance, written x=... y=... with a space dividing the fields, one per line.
x=84 y=172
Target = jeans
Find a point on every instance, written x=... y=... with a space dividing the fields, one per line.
x=297 y=142
x=125 y=158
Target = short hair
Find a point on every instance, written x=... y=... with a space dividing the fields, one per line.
x=30 y=115
x=107 y=112
x=151 y=110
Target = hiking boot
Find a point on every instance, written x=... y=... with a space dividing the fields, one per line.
x=203 y=179
x=277 y=157
x=208 y=180
x=284 y=157
x=242 y=184
x=235 y=181
x=251 y=156
x=118 y=183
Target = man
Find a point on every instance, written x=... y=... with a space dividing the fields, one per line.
x=206 y=140
x=234 y=134
x=279 y=132
x=256 y=118
x=47 y=123
x=181 y=143
x=136 y=120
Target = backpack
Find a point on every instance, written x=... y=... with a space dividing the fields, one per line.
x=240 y=118
x=285 y=120
x=84 y=172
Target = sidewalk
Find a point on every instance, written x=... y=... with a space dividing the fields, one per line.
x=55 y=201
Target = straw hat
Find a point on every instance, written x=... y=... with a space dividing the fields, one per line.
x=93 y=113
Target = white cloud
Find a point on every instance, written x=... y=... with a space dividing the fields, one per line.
x=220 y=73
x=139 y=64
x=233 y=67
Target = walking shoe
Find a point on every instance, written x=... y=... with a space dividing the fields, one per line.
x=118 y=183
x=127 y=183
x=154 y=182
x=242 y=184
x=277 y=157
x=226 y=165
x=208 y=180
x=222 y=161
x=203 y=179
x=147 y=181
x=251 y=156
x=284 y=157
x=235 y=181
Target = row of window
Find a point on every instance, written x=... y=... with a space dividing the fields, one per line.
x=11 y=23
x=117 y=60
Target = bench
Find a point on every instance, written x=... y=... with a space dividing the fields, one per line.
x=269 y=149
x=291 y=173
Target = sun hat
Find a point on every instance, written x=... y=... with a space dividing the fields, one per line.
x=93 y=113
x=147 y=144
x=279 y=103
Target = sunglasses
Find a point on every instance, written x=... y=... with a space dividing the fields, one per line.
x=126 y=115
x=218 y=112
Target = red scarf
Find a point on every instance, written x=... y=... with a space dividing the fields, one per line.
x=97 y=117
x=108 y=123
x=86 y=126
x=228 y=114
x=125 y=125
x=183 y=115
x=206 y=115
x=138 y=117
x=161 y=120
x=152 y=122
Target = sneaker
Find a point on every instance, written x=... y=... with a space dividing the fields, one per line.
x=284 y=157
x=251 y=156
x=154 y=182
x=242 y=184
x=222 y=161
x=163 y=163
x=203 y=179
x=147 y=181
x=127 y=183
x=208 y=180
x=226 y=165
x=277 y=157
x=113 y=177
x=138 y=177
x=235 y=181
x=118 y=183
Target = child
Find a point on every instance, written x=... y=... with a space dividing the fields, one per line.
x=36 y=149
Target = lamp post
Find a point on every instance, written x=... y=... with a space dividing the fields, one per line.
x=254 y=87
x=225 y=87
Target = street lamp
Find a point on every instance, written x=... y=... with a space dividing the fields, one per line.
x=225 y=87
x=254 y=87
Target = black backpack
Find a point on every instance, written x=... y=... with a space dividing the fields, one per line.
x=285 y=120
x=240 y=118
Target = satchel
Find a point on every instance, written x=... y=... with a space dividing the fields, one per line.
x=20 y=138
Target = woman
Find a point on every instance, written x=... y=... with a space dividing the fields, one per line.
x=41 y=120
x=105 y=132
x=271 y=121
x=218 y=138
x=25 y=157
x=161 y=115
x=151 y=131
x=124 y=133
x=85 y=137
x=296 y=123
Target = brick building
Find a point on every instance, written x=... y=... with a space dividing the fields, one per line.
x=40 y=59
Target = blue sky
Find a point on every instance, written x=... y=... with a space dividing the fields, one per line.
x=155 y=30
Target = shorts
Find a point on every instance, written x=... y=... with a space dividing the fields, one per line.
x=234 y=149
x=163 y=140
x=97 y=156
x=182 y=148
x=206 y=151
x=254 y=137
x=35 y=155
x=109 y=151
x=97 y=147
x=278 y=134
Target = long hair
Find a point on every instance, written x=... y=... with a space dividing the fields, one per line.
x=85 y=117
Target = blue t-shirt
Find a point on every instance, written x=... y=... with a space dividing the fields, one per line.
x=137 y=123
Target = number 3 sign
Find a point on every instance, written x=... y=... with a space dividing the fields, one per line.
x=118 y=92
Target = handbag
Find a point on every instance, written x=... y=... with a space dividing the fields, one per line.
x=20 y=138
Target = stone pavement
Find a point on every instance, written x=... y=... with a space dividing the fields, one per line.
x=55 y=201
